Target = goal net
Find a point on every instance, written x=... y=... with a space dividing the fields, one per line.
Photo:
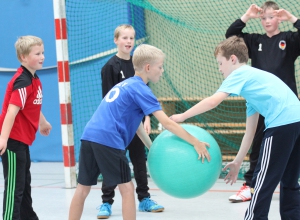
x=187 y=32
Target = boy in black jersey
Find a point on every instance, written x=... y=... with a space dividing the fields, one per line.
x=117 y=69
x=274 y=52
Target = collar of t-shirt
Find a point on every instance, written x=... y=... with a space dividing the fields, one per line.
x=26 y=71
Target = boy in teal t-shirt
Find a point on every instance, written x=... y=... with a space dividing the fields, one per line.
x=279 y=155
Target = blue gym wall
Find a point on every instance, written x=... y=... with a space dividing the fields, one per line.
x=35 y=17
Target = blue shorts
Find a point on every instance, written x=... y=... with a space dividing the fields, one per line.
x=96 y=158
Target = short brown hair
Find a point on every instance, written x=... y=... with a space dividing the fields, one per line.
x=24 y=44
x=233 y=46
x=120 y=28
x=269 y=4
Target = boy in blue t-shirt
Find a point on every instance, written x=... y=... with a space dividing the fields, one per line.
x=113 y=126
x=117 y=69
x=279 y=156
x=274 y=51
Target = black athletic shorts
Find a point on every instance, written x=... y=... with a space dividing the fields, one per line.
x=95 y=158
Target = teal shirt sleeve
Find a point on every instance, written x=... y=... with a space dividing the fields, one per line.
x=250 y=110
x=233 y=84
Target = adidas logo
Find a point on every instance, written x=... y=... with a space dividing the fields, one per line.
x=39 y=97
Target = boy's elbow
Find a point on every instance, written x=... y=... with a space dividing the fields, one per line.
x=228 y=35
x=249 y=133
x=212 y=103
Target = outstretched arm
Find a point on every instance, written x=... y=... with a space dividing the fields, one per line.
x=176 y=129
x=203 y=106
x=234 y=166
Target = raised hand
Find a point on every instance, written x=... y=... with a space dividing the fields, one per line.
x=253 y=11
x=284 y=15
x=177 y=118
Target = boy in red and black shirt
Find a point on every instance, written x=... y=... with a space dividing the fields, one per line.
x=20 y=118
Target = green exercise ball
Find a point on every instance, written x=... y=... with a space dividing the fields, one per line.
x=174 y=166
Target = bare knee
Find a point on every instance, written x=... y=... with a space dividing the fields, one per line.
x=82 y=190
x=126 y=188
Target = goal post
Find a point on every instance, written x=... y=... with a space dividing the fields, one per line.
x=64 y=93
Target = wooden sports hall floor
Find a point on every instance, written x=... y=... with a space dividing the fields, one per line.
x=51 y=200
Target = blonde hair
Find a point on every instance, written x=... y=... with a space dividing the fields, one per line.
x=145 y=54
x=24 y=44
x=269 y=4
x=120 y=28
x=233 y=46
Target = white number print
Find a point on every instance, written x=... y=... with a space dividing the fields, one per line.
x=117 y=92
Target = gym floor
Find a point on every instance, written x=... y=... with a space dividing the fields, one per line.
x=51 y=200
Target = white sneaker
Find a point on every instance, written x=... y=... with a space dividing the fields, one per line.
x=243 y=195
